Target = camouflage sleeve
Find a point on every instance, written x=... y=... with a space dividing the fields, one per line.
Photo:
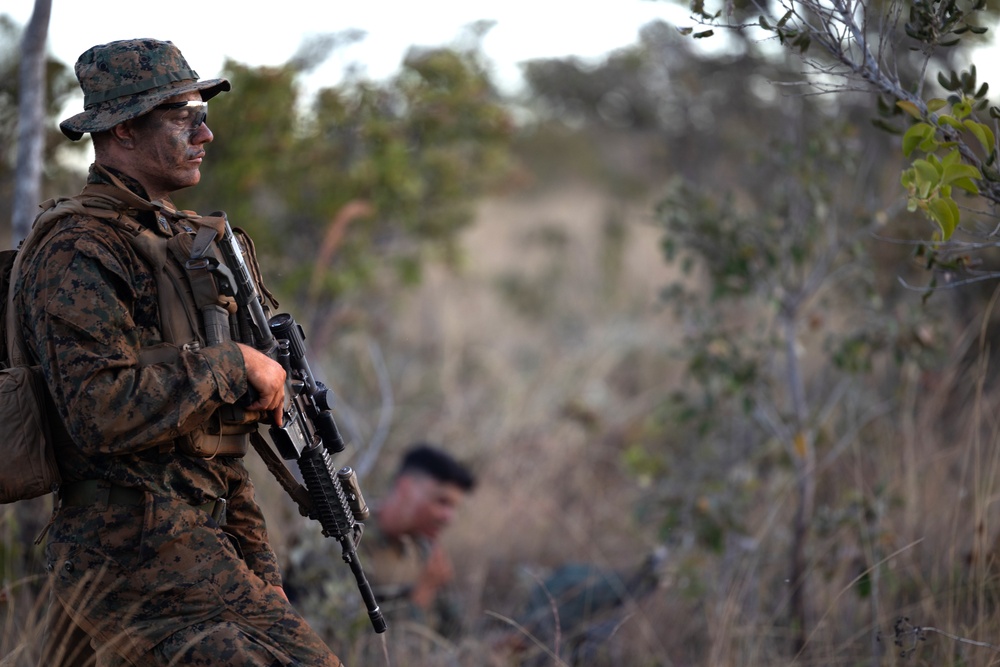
x=245 y=522
x=81 y=305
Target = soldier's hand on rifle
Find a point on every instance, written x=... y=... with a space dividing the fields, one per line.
x=267 y=377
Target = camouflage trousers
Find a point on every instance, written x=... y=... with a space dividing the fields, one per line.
x=164 y=585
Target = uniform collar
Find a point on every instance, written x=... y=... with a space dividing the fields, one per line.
x=157 y=215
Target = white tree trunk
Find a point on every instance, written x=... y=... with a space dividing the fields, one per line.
x=31 y=122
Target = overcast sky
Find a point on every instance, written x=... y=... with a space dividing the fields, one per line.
x=209 y=31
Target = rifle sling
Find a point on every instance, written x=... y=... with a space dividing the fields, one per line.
x=280 y=471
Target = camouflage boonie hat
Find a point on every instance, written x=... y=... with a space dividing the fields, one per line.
x=125 y=79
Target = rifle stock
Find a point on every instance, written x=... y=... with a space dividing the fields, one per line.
x=308 y=434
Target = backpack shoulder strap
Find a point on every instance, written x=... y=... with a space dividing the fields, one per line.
x=95 y=204
x=53 y=211
x=7 y=258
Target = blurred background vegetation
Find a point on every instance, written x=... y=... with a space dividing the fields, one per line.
x=671 y=308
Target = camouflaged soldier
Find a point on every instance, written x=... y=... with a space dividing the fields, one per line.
x=159 y=555
x=409 y=569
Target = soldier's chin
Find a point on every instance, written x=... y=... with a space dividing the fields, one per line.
x=193 y=177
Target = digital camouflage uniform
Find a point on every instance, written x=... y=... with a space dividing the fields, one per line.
x=145 y=569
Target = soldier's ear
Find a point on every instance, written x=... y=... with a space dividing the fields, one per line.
x=124 y=134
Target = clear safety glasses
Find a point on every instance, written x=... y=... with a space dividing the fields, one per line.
x=189 y=115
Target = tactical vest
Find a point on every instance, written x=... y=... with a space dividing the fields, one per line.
x=186 y=292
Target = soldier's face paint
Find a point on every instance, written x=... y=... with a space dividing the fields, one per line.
x=170 y=145
x=188 y=115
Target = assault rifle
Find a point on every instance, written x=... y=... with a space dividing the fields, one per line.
x=308 y=434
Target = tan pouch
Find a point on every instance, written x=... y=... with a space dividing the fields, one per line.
x=226 y=434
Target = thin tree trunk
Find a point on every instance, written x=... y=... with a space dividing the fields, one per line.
x=805 y=458
x=31 y=122
x=29 y=515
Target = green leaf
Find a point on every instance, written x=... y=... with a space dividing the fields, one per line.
x=936 y=103
x=908 y=178
x=926 y=177
x=915 y=136
x=928 y=170
x=982 y=132
x=951 y=122
x=967 y=184
x=864 y=586
x=956 y=214
x=944 y=211
x=954 y=172
x=949 y=82
x=910 y=108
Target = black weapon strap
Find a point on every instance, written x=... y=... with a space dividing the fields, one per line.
x=281 y=473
